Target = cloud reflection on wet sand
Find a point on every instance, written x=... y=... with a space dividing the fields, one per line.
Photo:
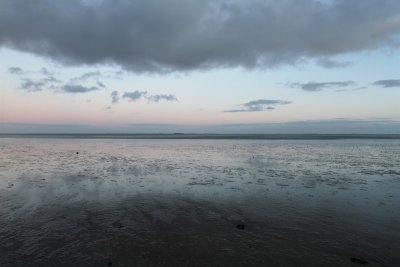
x=179 y=203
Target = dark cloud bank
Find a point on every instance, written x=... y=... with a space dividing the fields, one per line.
x=176 y=35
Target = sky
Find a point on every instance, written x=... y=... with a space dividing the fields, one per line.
x=223 y=66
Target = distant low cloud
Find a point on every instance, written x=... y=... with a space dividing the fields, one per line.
x=31 y=85
x=157 y=98
x=77 y=88
x=86 y=76
x=136 y=95
x=89 y=78
x=387 y=83
x=259 y=105
x=15 y=70
x=330 y=63
x=35 y=85
x=114 y=97
x=34 y=81
x=319 y=86
x=193 y=35
x=46 y=72
x=100 y=84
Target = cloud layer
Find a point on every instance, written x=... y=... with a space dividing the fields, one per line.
x=176 y=35
x=136 y=95
x=15 y=70
x=114 y=97
x=319 y=86
x=77 y=88
x=259 y=105
x=387 y=83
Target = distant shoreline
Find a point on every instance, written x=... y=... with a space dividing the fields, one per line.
x=208 y=136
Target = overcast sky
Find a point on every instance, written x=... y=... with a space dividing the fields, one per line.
x=188 y=65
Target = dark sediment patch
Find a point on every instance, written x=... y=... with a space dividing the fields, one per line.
x=241 y=226
x=359 y=261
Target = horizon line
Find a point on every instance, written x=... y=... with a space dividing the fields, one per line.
x=205 y=136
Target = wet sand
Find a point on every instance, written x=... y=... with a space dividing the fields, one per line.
x=199 y=202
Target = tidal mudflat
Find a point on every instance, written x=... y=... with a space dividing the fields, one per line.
x=137 y=202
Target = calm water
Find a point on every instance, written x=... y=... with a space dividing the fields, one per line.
x=133 y=202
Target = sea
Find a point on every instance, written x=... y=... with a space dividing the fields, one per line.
x=199 y=200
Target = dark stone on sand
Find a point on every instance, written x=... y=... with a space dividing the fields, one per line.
x=241 y=226
x=77 y=153
x=359 y=261
x=117 y=225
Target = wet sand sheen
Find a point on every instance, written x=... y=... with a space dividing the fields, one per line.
x=199 y=203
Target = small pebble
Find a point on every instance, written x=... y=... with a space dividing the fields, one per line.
x=117 y=225
x=359 y=261
x=241 y=226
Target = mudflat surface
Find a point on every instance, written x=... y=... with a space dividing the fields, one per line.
x=199 y=202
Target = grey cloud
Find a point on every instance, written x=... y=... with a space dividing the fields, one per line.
x=77 y=88
x=330 y=63
x=190 y=35
x=84 y=77
x=93 y=76
x=157 y=98
x=15 y=70
x=135 y=95
x=90 y=76
x=51 y=79
x=100 y=84
x=387 y=83
x=31 y=85
x=47 y=80
x=259 y=105
x=114 y=97
x=47 y=72
x=318 y=86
